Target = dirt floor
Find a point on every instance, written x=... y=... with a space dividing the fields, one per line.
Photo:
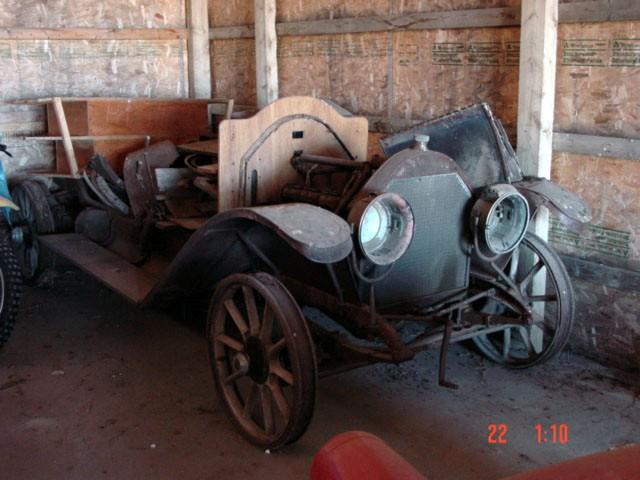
x=91 y=387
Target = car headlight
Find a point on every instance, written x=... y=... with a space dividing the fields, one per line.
x=499 y=219
x=383 y=226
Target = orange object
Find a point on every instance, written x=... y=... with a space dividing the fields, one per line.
x=360 y=455
x=107 y=119
x=619 y=464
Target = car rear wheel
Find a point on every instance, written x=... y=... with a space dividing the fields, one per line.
x=263 y=360
x=540 y=276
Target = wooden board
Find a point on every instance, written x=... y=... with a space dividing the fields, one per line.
x=122 y=116
x=175 y=120
x=266 y=144
x=207 y=147
x=92 y=33
x=105 y=266
x=597 y=146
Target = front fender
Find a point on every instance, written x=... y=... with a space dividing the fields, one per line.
x=218 y=248
x=318 y=234
x=574 y=212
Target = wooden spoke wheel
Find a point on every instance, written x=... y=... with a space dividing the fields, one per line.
x=543 y=281
x=263 y=359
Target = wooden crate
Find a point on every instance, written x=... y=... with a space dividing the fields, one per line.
x=177 y=120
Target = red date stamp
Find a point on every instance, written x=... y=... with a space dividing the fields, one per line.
x=497 y=434
x=554 y=434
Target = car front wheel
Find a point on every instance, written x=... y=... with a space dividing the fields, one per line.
x=263 y=360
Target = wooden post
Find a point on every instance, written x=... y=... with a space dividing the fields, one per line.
x=266 y=52
x=538 y=47
x=198 y=47
x=66 y=137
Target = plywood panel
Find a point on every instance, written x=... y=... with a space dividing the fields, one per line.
x=15 y=122
x=438 y=71
x=434 y=72
x=311 y=79
x=611 y=187
x=234 y=70
x=227 y=13
x=608 y=323
x=92 y=68
x=92 y=13
x=598 y=78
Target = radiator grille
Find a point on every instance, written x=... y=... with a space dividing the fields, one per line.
x=436 y=264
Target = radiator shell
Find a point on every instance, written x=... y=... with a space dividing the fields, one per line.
x=436 y=264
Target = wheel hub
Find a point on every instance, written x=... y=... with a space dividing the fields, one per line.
x=258 y=361
x=241 y=363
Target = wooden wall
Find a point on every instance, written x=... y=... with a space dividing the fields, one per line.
x=399 y=77
x=33 y=68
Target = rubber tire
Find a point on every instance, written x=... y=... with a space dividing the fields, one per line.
x=553 y=262
x=303 y=349
x=12 y=275
x=37 y=194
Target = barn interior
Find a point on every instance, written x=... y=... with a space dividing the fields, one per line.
x=92 y=385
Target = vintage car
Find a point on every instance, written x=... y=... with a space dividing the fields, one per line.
x=309 y=260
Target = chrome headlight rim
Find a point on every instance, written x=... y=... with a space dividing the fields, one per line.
x=383 y=226
x=490 y=206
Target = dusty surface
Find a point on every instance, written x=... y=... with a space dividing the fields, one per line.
x=90 y=387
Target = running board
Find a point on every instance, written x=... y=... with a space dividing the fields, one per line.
x=107 y=267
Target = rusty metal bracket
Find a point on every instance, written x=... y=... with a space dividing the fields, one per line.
x=444 y=348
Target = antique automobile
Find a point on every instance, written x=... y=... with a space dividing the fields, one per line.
x=308 y=259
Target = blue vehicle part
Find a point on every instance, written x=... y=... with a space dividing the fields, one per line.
x=6 y=202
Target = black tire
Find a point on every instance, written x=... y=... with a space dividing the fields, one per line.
x=10 y=285
x=247 y=362
x=39 y=213
x=498 y=346
x=34 y=200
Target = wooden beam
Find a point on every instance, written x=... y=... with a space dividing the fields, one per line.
x=587 y=11
x=600 y=11
x=66 y=137
x=198 y=47
x=597 y=146
x=266 y=52
x=85 y=138
x=536 y=97
x=602 y=275
x=92 y=33
x=537 y=86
